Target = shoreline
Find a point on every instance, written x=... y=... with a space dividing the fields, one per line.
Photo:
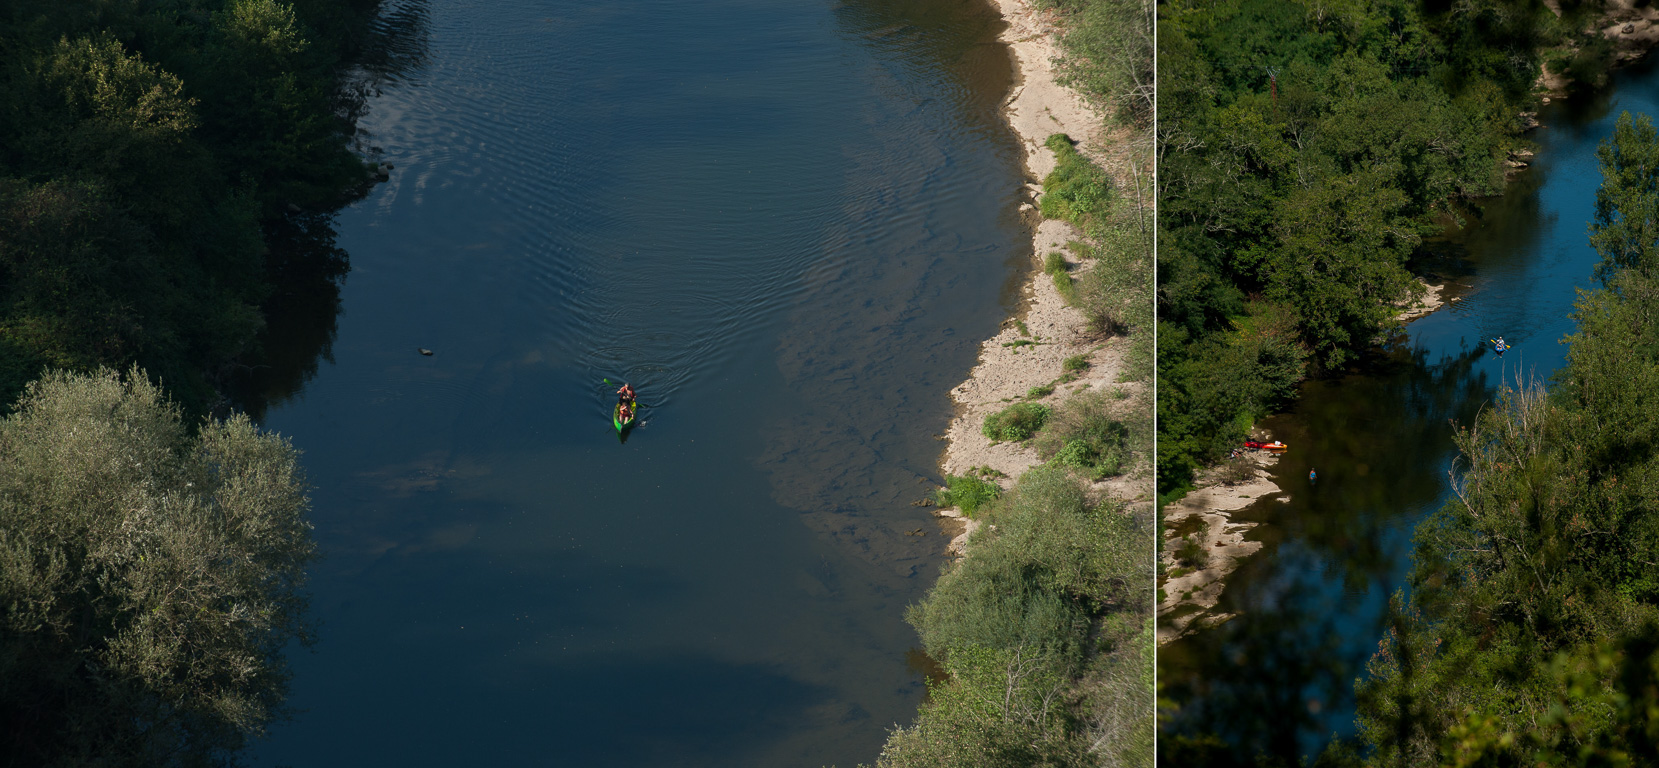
x=1187 y=597
x=1036 y=108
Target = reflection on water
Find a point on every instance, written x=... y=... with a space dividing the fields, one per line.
x=787 y=226
x=1279 y=676
x=1277 y=680
x=305 y=265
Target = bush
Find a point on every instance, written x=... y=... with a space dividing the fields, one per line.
x=1085 y=434
x=1193 y=554
x=151 y=578
x=1057 y=267
x=1016 y=423
x=1075 y=363
x=1054 y=562
x=997 y=707
x=1055 y=599
x=968 y=494
x=1238 y=469
x=1115 y=295
x=1076 y=190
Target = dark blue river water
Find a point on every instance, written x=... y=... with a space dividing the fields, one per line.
x=788 y=224
x=1278 y=679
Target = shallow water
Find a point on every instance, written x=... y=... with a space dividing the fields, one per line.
x=1278 y=679
x=788 y=225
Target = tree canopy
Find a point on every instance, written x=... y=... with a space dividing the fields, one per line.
x=143 y=148
x=1532 y=630
x=1305 y=149
x=150 y=576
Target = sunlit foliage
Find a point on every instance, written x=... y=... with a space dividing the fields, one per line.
x=149 y=577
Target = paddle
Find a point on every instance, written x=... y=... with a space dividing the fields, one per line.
x=637 y=403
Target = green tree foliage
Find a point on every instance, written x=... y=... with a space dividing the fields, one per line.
x=1108 y=45
x=143 y=147
x=149 y=577
x=1045 y=630
x=1530 y=635
x=1304 y=150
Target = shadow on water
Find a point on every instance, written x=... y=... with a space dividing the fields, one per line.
x=1277 y=678
x=869 y=356
x=305 y=266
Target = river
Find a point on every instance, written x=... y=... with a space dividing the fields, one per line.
x=788 y=225
x=1278 y=679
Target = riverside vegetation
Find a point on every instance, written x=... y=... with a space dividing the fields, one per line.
x=151 y=560
x=145 y=150
x=1305 y=149
x=1309 y=142
x=1531 y=636
x=1045 y=628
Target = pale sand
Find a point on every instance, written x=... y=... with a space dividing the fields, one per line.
x=1190 y=597
x=1632 y=27
x=1037 y=108
x=1430 y=301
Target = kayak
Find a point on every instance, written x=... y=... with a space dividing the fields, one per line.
x=616 y=418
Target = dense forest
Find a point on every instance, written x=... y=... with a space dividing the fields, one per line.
x=1305 y=150
x=167 y=167
x=1044 y=630
x=148 y=153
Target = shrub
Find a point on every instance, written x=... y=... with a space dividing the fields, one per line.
x=152 y=577
x=1076 y=190
x=1017 y=422
x=1193 y=553
x=968 y=494
x=1114 y=295
x=1056 y=262
x=1075 y=363
x=1238 y=469
x=1053 y=563
x=1085 y=434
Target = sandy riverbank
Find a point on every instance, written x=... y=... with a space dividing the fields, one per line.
x=1204 y=515
x=1038 y=107
x=1188 y=596
x=1631 y=26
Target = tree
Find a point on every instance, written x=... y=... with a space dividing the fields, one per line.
x=1625 y=229
x=150 y=577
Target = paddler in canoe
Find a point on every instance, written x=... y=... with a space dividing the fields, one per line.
x=1500 y=345
x=623 y=416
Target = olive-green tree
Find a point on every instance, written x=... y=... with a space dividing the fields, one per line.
x=150 y=577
